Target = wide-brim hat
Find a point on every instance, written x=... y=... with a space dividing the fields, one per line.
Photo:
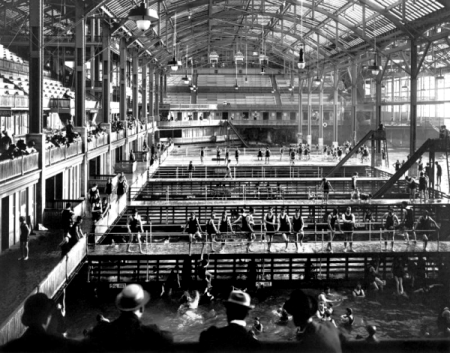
x=132 y=297
x=238 y=297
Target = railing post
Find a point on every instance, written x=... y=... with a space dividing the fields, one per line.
x=206 y=172
x=206 y=192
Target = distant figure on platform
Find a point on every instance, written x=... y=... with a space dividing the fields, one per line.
x=292 y=155
x=412 y=186
x=267 y=156
x=132 y=156
x=281 y=152
x=202 y=154
x=396 y=166
x=24 y=235
x=260 y=154
x=354 y=182
x=298 y=224
x=194 y=230
x=218 y=152
x=325 y=186
x=438 y=173
x=284 y=226
x=135 y=230
x=423 y=187
x=94 y=194
x=390 y=222
x=348 y=225
x=228 y=174
x=191 y=169
x=127 y=332
x=227 y=155
x=333 y=225
x=109 y=188
x=234 y=336
x=122 y=186
x=236 y=155
x=407 y=222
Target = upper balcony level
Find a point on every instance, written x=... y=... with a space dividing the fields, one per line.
x=12 y=168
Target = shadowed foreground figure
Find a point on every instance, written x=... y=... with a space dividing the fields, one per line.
x=127 y=333
x=39 y=311
x=235 y=336
x=314 y=337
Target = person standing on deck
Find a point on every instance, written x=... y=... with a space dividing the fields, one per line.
x=260 y=155
x=284 y=226
x=325 y=186
x=236 y=155
x=423 y=187
x=227 y=155
x=24 y=235
x=194 y=230
x=267 y=156
x=218 y=155
x=202 y=154
x=134 y=225
x=191 y=169
x=348 y=220
x=407 y=222
x=298 y=224
x=228 y=173
x=225 y=226
x=292 y=153
x=390 y=221
x=270 y=222
x=425 y=224
x=438 y=173
x=281 y=152
x=396 y=166
x=246 y=226
x=354 y=187
x=211 y=231
x=333 y=224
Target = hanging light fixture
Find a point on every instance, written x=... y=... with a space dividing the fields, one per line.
x=440 y=77
x=174 y=63
x=246 y=63
x=185 y=78
x=301 y=54
x=375 y=68
x=236 y=86
x=143 y=16
x=213 y=58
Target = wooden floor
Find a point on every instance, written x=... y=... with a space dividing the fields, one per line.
x=259 y=248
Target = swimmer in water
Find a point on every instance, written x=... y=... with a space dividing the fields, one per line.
x=189 y=302
x=257 y=326
x=348 y=318
x=358 y=292
x=372 y=330
x=329 y=318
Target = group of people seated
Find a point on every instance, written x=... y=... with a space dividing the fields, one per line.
x=10 y=150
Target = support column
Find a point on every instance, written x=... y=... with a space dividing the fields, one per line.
x=80 y=72
x=161 y=88
x=300 y=111
x=376 y=150
x=156 y=89
x=106 y=70
x=308 y=136
x=123 y=79
x=151 y=78
x=413 y=99
x=354 y=100
x=144 y=112
x=36 y=10
x=321 y=117
x=92 y=27
x=336 y=108
x=135 y=83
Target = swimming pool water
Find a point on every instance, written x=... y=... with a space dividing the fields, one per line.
x=395 y=317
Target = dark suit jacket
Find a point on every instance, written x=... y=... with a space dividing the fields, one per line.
x=320 y=337
x=231 y=337
x=128 y=333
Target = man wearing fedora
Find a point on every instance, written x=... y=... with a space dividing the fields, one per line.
x=314 y=337
x=127 y=332
x=234 y=336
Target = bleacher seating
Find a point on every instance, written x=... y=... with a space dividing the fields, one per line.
x=236 y=98
x=8 y=55
x=230 y=81
x=177 y=98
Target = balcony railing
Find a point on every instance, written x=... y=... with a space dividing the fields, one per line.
x=61 y=103
x=98 y=142
x=14 y=101
x=12 y=66
x=58 y=154
x=118 y=135
x=14 y=167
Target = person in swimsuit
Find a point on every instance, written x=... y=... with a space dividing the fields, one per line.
x=202 y=154
x=298 y=224
x=227 y=156
x=225 y=226
x=218 y=155
x=333 y=224
x=358 y=292
x=390 y=221
x=260 y=155
x=325 y=186
x=203 y=272
x=246 y=226
x=193 y=229
x=236 y=155
x=423 y=186
x=348 y=318
x=94 y=194
x=228 y=173
x=407 y=222
x=270 y=222
x=284 y=226
x=292 y=154
x=211 y=231
x=424 y=224
x=267 y=156
x=348 y=220
x=354 y=188
x=191 y=169
x=134 y=225
x=281 y=152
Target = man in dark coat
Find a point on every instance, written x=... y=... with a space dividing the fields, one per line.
x=314 y=337
x=38 y=313
x=234 y=336
x=127 y=333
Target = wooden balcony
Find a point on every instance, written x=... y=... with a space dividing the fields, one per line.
x=19 y=166
x=57 y=154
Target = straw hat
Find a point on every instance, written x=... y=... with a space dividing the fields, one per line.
x=132 y=297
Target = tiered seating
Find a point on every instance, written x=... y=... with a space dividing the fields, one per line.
x=235 y=98
x=178 y=98
x=230 y=81
x=5 y=54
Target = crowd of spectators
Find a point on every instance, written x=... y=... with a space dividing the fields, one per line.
x=10 y=150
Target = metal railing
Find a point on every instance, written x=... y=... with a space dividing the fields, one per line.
x=57 y=154
x=14 y=101
x=13 y=167
x=117 y=135
x=12 y=327
x=61 y=103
